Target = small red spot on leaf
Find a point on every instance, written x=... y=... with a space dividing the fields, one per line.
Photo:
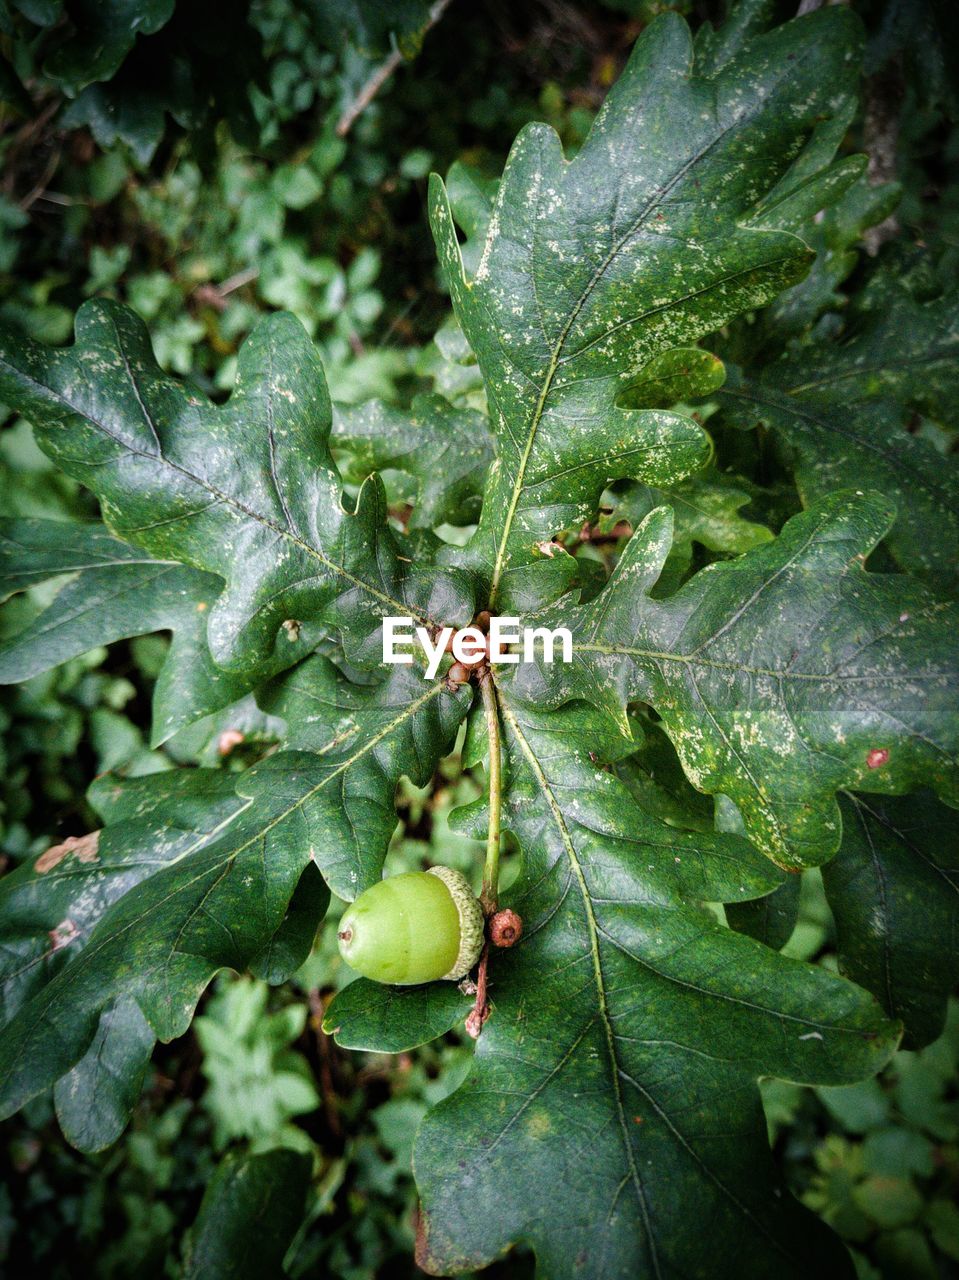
x=877 y=757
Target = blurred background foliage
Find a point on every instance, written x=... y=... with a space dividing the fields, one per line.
x=205 y=172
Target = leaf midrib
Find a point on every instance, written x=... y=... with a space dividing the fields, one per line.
x=619 y=1071
x=598 y=977
x=693 y=660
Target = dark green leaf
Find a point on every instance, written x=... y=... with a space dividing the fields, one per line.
x=835 y=236
x=291 y=944
x=615 y=1077
x=654 y=777
x=894 y=892
x=12 y=91
x=188 y=481
x=905 y=350
x=650 y=237
x=120 y=592
x=113 y=115
x=100 y=35
x=706 y=509
x=361 y=741
x=472 y=195
x=33 y=550
x=50 y=906
x=232 y=896
x=250 y=1213
x=94 y=1101
x=844 y=410
x=216 y=906
x=447 y=450
x=770 y=920
x=371 y=1015
x=683 y=373
x=372 y=26
x=781 y=677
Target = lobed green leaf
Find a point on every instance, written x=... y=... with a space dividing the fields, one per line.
x=248 y=491
x=781 y=677
x=615 y=1078
x=652 y=236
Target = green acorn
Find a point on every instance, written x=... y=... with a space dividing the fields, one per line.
x=418 y=927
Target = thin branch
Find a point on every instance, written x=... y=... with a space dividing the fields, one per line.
x=380 y=76
x=22 y=142
x=238 y=280
x=480 y=1011
x=33 y=196
x=366 y=95
x=215 y=295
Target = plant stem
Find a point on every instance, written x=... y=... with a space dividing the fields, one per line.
x=488 y=896
x=382 y=73
x=480 y=1011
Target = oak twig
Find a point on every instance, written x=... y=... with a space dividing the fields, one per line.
x=380 y=76
x=480 y=1010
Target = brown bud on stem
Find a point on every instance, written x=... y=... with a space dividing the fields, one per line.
x=474 y=1022
x=505 y=928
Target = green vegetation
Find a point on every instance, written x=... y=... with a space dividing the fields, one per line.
x=632 y=318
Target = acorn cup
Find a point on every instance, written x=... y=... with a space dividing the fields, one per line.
x=422 y=926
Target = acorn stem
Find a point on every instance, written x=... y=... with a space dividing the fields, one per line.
x=490 y=890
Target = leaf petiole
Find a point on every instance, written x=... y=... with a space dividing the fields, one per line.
x=489 y=892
